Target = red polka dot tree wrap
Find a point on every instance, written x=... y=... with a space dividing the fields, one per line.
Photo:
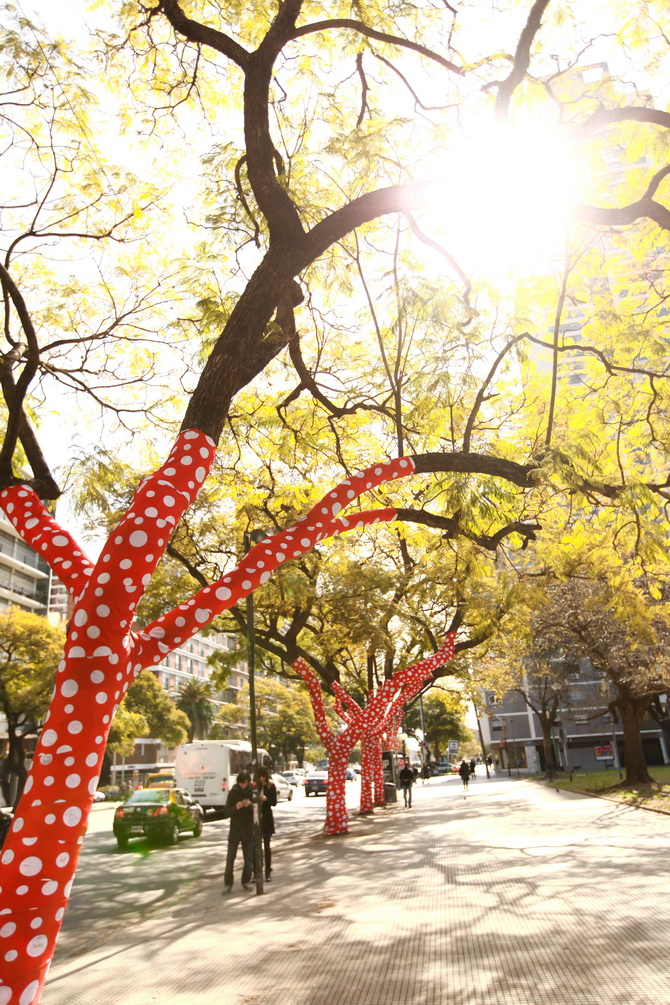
x=102 y=657
x=370 y=747
x=368 y=724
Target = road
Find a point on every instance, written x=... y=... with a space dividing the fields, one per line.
x=510 y=894
x=116 y=888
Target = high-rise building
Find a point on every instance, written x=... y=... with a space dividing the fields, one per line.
x=190 y=662
x=24 y=575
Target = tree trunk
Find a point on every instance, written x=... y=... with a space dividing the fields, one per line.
x=40 y=855
x=378 y=767
x=16 y=760
x=337 y=818
x=4 y=781
x=367 y=773
x=548 y=747
x=632 y=713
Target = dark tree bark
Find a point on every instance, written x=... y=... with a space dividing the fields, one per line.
x=630 y=712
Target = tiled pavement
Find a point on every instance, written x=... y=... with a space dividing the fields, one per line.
x=517 y=895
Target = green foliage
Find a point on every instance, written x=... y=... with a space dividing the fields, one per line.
x=124 y=731
x=30 y=650
x=443 y=719
x=284 y=720
x=164 y=720
x=195 y=701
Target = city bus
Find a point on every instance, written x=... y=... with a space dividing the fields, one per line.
x=208 y=769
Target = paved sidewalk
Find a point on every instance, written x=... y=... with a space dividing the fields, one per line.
x=517 y=895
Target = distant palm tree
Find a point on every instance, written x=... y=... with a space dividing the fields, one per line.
x=194 y=700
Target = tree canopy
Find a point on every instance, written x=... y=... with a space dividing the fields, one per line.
x=301 y=212
x=30 y=650
x=325 y=163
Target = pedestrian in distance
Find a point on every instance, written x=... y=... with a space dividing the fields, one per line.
x=473 y=765
x=489 y=761
x=425 y=772
x=464 y=772
x=406 y=777
x=267 y=796
x=241 y=812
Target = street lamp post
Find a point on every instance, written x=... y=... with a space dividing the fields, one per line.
x=516 y=752
x=504 y=740
x=254 y=537
x=481 y=742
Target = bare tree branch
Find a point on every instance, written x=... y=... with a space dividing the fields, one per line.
x=521 y=59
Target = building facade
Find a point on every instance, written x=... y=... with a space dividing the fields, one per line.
x=24 y=575
x=584 y=737
x=24 y=583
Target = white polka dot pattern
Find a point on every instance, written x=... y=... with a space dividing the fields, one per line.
x=380 y=717
x=298 y=539
x=102 y=657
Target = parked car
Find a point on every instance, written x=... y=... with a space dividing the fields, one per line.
x=6 y=817
x=158 y=814
x=316 y=783
x=443 y=768
x=284 y=789
x=293 y=778
x=161 y=780
x=351 y=775
x=111 y=792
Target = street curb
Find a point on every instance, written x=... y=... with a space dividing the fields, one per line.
x=599 y=795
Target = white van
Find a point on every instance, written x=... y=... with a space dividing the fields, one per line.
x=208 y=769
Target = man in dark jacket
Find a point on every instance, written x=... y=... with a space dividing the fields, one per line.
x=241 y=813
x=406 y=777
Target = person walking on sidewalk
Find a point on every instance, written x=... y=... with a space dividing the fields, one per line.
x=464 y=772
x=406 y=777
x=473 y=765
x=241 y=813
x=267 y=795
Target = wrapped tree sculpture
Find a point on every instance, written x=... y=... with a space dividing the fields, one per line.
x=383 y=708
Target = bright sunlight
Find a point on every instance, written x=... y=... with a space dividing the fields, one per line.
x=505 y=207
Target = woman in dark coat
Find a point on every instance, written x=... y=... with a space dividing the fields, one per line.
x=267 y=795
x=464 y=772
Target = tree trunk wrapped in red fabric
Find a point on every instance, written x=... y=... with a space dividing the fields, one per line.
x=103 y=655
x=370 y=722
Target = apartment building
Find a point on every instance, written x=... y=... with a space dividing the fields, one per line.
x=190 y=662
x=584 y=737
x=24 y=575
x=25 y=582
